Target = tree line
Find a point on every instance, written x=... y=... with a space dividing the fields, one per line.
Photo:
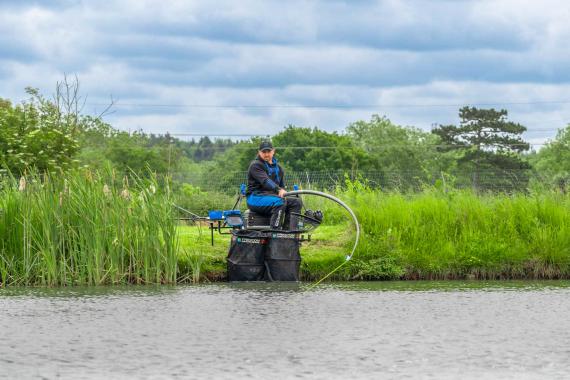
x=53 y=135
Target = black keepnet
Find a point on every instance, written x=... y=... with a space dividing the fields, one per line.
x=282 y=257
x=259 y=256
x=246 y=256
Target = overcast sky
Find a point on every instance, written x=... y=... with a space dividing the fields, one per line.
x=252 y=67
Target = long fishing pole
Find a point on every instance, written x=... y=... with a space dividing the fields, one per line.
x=335 y=199
x=194 y=216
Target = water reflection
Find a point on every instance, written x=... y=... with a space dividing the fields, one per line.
x=267 y=287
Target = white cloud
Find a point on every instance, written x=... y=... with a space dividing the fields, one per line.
x=404 y=57
x=416 y=105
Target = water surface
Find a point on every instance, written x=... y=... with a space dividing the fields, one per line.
x=341 y=330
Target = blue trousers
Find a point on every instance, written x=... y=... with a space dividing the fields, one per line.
x=277 y=207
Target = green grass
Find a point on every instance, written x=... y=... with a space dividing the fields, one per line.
x=83 y=228
x=437 y=235
x=432 y=235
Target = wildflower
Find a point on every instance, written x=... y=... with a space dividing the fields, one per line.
x=106 y=190
x=152 y=189
x=125 y=194
x=22 y=186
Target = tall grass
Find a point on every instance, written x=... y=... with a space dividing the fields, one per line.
x=459 y=234
x=435 y=234
x=86 y=227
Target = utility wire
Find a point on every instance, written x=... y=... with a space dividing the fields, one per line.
x=233 y=135
x=281 y=148
x=265 y=134
x=216 y=135
x=329 y=106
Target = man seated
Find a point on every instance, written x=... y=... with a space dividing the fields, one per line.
x=265 y=189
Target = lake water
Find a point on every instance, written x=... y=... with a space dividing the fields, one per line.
x=260 y=331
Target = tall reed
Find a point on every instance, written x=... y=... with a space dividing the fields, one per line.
x=86 y=227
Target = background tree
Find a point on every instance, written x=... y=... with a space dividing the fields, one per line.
x=103 y=146
x=45 y=134
x=202 y=150
x=553 y=160
x=486 y=141
x=299 y=149
x=312 y=149
x=37 y=134
x=404 y=155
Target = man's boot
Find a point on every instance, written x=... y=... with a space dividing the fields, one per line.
x=277 y=215
x=294 y=206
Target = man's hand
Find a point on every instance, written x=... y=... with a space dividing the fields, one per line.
x=282 y=193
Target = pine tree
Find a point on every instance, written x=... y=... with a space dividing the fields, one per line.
x=484 y=140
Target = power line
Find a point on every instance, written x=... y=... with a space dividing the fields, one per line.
x=542 y=130
x=368 y=147
x=328 y=106
x=215 y=135
x=265 y=135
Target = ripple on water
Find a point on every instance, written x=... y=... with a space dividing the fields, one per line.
x=415 y=329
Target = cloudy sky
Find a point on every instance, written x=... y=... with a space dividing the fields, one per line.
x=252 y=67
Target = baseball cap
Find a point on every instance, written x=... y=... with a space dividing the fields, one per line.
x=265 y=145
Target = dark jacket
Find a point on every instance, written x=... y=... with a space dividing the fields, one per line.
x=263 y=178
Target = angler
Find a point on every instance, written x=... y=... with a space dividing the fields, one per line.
x=266 y=239
x=266 y=190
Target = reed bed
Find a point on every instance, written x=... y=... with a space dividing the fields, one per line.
x=86 y=227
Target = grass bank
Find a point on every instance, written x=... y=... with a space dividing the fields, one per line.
x=459 y=234
x=429 y=235
x=95 y=228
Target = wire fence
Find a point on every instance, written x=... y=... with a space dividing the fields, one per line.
x=493 y=180
x=406 y=181
x=201 y=191
x=212 y=191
